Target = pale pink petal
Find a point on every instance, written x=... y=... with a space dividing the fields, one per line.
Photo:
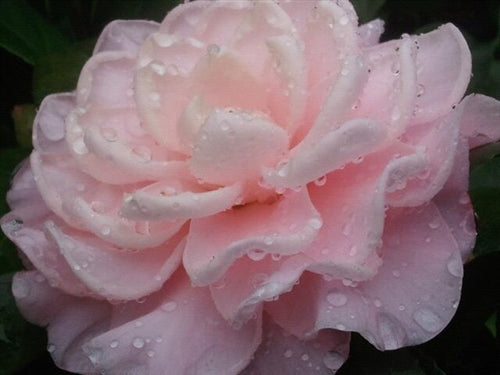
x=480 y=119
x=454 y=203
x=70 y=321
x=411 y=299
x=111 y=146
x=115 y=274
x=437 y=142
x=154 y=205
x=107 y=80
x=49 y=125
x=211 y=22
x=89 y=205
x=369 y=33
x=353 y=139
x=390 y=91
x=282 y=353
x=342 y=96
x=178 y=330
x=285 y=227
x=125 y=35
x=233 y=146
x=445 y=59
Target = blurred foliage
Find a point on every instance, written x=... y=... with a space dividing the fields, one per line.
x=46 y=42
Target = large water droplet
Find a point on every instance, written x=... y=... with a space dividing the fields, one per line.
x=288 y=353
x=138 y=343
x=333 y=360
x=454 y=267
x=315 y=223
x=169 y=306
x=256 y=254
x=428 y=320
x=336 y=299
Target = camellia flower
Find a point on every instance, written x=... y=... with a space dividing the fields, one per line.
x=238 y=188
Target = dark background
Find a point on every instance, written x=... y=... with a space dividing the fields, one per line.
x=66 y=32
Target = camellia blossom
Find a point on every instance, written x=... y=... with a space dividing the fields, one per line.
x=236 y=189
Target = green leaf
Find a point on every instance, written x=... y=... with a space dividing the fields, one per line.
x=491 y=324
x=367 y=10
x=59 y=72
x=25 y=33
x=23 y=115
x=485 y=194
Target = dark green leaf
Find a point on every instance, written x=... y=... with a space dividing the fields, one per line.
x=485 y=194
x=59 y=72
x=367 y=10
x=23 y=115
x=25 y=33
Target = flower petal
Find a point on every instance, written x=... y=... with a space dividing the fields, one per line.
x=420 y=255
x=70 y=320
x=233 y=146
x=480 y=119
x=124 y=35
x=353 y=139
x=154 y=335
x=446 y=61
x=114 y=274
x=284 y=227
x=370 y=32
x=282 y=353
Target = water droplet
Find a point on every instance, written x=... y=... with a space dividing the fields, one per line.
x=320 y=181
x=396 y=273
x=401 y=308
x=455 y=267
x=138 y=343
x=169 y=306
x=21 y=288
x=377 y=302
x=315 y=223
x=395 y=68
x=79 y=147
x=344 y=72
x=276 y=257
x=105 y=230
x=114 y=344
x=428 y=320
x=154 y=96
x=256 y=254
x=455 y=304
x=333 y=360
x=51 y=348
x=109 y=134
x=435 y=223
x=336 y=299
x=288 y=354
x=268 y=240
x=158 y=68
x=213 y=49
x=420 y=90
x=353 y=250
x=143 y=153
x=356 y=104
x=344 y=20
x=150 y=353
x=305 y=357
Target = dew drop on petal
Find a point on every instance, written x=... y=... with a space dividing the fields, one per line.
x=428 y=320
x=336 y=299
x=138 y=343
x=113 y=344
x=320 y=181
x=51 y=348
x=454 y=267
x=169 y=306
x=315 y=223
x=288 y=354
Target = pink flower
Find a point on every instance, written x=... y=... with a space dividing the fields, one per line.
x=238 y=188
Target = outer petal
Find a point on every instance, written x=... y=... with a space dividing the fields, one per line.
x=123 y=35
x=420 y=257
x=71 y=321
x=177 y=329
x=282 y=353
x=114 y=274
x=284 y=227
x=446 y=67
x=480 y=119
